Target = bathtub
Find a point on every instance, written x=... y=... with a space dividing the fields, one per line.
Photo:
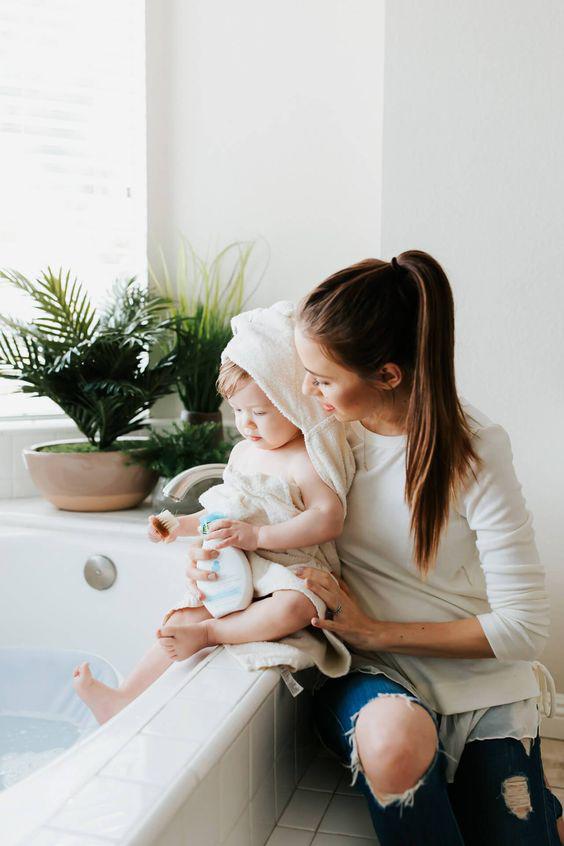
x=209 y=754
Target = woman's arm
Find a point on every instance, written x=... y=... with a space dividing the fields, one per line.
x=517 y=624
x=456 y=639
x=516 y=627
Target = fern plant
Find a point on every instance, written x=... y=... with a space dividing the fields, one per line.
x=205 y=295
x=96 y=365
x=183 y=445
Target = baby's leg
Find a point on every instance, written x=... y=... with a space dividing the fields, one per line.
x=105 y=701
x=183 y=617
x=277 y=616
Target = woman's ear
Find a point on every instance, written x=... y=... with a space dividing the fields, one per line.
x=389 y=377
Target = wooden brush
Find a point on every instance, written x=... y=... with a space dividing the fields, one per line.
x=164 y=523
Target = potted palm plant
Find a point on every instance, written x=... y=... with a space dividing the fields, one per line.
x=104 y=368
x=205 y=295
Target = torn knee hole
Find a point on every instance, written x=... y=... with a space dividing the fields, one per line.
x=517 y=797
x=355 y=765
x=407 y=699
x=406 y=797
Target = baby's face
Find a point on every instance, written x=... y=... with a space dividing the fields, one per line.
x=258 y=420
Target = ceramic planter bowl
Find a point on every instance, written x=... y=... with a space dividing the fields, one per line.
x=88 y=481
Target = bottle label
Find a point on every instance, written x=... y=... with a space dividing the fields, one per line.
x=209 y=518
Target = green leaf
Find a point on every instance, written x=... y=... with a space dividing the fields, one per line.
x=103 y=370
x=182 y=446
x=205 y=296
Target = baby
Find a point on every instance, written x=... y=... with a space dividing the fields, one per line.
x=273 y=447
x=282 y=514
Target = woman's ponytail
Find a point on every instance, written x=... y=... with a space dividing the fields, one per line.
x=402 y=311
x=439 y=448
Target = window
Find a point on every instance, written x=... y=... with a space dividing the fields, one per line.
x=72 y=149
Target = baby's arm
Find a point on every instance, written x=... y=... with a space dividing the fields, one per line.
x=322 y=521
x=189 y=524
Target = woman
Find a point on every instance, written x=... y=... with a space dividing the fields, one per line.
x=443 y=601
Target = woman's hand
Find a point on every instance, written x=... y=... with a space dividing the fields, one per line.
x=194 y=573
x=349 y=622
x=234 y=533
x=451 y=639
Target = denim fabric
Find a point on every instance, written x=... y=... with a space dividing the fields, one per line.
x=472 y=811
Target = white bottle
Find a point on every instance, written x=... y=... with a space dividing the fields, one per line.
x=233 y=588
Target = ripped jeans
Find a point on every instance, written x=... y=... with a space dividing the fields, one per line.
x=493 y=777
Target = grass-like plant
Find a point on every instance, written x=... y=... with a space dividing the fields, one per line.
x=182 y=446
x=206 y=295
x=104 y=368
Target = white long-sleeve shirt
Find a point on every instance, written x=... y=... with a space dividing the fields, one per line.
x=487 y=566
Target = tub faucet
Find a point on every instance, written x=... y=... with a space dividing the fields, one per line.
x=194 y=481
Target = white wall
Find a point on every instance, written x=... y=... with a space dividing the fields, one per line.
x=473 y=173
x=265 y=120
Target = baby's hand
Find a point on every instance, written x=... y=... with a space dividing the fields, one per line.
x=233 y=533
x=157 y=532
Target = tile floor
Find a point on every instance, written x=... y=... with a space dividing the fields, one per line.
x=325 y=811
x=553 y=763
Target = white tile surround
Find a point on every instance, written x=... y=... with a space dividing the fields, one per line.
x=186 y=780
x=209 y=755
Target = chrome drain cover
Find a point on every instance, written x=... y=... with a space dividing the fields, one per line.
x=100 y=572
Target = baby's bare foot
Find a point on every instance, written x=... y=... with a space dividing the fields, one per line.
x=102 y=700
x=180 y=642
x=167 y=644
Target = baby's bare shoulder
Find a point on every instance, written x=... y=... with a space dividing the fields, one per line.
x=301 y=467
x=297 y=456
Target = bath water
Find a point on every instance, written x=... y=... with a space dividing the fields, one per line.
x=29 y=741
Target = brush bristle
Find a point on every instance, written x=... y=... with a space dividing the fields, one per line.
x=165 y=522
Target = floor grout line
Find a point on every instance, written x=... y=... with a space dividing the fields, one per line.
x=332 y=794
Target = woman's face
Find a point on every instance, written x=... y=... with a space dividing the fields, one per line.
x=338 y=390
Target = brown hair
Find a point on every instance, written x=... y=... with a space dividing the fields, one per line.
x=229 y=378
x=376 y=312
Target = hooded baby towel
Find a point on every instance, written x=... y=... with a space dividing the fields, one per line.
x=263 y=345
